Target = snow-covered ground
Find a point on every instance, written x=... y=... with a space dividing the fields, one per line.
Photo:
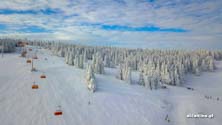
x=114 y=103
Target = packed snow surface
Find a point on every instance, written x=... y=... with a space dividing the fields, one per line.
x=114 y=103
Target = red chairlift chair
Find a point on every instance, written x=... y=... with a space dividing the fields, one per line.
x=43 y=76
x=23 y=54
x=34 y=86
x=28 y=61
x=58 y=112
x=35 y=57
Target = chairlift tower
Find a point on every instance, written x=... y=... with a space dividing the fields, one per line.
x=2 y=49
x=32 y=66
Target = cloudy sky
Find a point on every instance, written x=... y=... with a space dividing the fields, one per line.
x=128 y=23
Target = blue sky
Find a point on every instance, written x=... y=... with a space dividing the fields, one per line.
x=130 y=23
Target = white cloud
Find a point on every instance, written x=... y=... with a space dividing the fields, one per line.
x=201 y=18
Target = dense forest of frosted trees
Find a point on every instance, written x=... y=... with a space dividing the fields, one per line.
x=7 y=45
x=156 y=67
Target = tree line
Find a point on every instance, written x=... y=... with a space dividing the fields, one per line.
x=156 y=67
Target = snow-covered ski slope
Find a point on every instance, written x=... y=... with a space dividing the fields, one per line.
x=114 y=103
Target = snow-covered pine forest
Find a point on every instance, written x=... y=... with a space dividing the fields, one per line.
x=7 y=45
x=157 y=67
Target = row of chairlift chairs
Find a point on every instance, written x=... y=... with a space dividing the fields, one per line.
x=35 y=86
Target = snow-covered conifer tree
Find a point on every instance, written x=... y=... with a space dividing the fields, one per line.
x=67 y=57
x=81 y=64
x=90 y=79
x=211 y=64
x=120 y=72
x=203 y=65
x=98 y=66
x=128 y=75
x=70 y=59
x=107 y=61
x=197 y=71
x=141 y=79
x=176 y=78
